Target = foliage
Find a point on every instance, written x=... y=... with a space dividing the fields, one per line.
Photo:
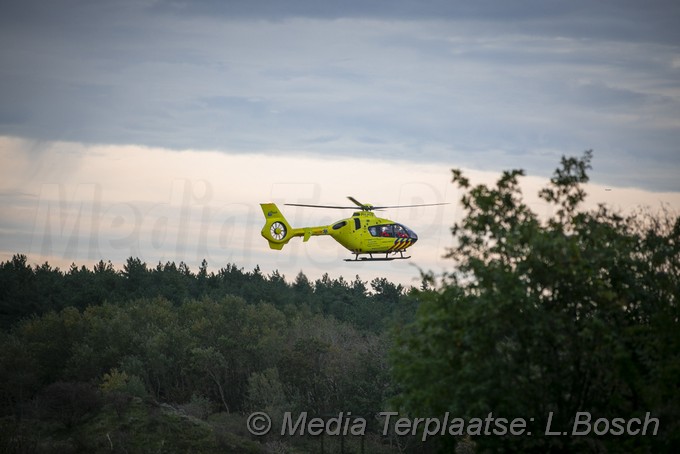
x=577 y=312
x=118 y=344
x=68 y=402
x=27 y=291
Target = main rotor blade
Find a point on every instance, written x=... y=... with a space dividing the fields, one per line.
x=356 y=202
x=362 y=206
x=409 y=206
x=319 y=206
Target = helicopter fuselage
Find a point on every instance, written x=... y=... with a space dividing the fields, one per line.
x=362 y=233
x=365 y=233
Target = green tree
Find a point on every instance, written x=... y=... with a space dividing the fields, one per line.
x=136 y=276
x=211 y=362
x=576 y=313
x=17 y=290
x=67 y=402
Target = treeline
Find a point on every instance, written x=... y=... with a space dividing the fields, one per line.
x=27 y=290
x=84 y=342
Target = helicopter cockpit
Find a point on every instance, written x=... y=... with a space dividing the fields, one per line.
x=392 y=231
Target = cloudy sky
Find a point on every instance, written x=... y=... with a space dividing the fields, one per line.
x=177 y=118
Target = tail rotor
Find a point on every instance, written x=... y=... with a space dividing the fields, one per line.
x=276 y=229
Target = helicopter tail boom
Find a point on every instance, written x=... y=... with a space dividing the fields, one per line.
x=277 y=231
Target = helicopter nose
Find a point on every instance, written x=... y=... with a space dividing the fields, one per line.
x=411 y=234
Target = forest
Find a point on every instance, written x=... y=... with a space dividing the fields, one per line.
x=538 y=319
x=90 y=341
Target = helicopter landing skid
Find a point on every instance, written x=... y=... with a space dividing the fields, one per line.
x=370 y=258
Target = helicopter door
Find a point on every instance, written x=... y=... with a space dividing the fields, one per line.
x=357 y=223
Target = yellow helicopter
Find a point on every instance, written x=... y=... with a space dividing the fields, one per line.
x=363 y=233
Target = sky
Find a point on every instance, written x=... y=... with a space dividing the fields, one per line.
x=155 y=128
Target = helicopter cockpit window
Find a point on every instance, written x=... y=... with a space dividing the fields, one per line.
x=382 y=230
x=411 y=234
x=400 y=231
x=392 y=231
x=339 y=225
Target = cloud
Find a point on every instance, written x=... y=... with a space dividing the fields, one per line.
x=484 y=84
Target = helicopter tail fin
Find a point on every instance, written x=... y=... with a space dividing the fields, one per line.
x=276 y=229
